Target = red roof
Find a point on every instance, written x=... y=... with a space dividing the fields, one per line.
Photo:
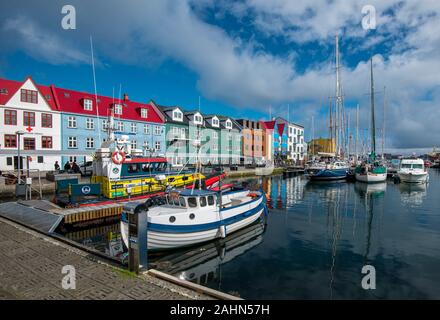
x=71 y=101
x=12 y=87
x=268 y=125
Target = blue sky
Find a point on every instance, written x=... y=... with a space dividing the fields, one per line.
x=243 y=58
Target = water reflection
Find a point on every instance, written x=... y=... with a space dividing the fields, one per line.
x=203 y=264
x=413 y=194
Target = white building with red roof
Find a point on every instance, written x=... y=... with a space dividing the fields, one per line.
x=31 y=110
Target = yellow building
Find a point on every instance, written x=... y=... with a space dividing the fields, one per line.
x=321 y=145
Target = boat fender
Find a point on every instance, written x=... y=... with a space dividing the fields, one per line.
x=252 y=195
x=118 y=157
x=222 y=231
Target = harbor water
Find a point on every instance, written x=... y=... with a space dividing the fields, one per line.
x=315 y=242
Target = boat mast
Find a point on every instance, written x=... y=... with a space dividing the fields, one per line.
x=339 y=111
x=383 y=124
x=357 y=131
x=373 y=123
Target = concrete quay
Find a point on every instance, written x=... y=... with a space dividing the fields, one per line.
x=31 y=268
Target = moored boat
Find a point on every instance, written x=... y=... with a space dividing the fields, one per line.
x=190 y=217
x=412 y=171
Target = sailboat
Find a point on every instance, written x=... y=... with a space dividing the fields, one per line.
x=371 y=170
x=334 y=168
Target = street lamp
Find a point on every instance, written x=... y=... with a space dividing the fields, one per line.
x=19 y=134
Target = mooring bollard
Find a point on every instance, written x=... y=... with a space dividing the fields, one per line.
x=137 y=236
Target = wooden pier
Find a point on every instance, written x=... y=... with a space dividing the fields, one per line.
x=293 y=172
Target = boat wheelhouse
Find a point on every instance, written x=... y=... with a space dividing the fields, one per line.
x=412 y=171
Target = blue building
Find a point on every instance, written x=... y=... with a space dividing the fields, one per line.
x=84 y=127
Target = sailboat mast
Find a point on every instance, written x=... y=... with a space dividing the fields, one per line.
x=357 y=131
x=383 y=124
x=373 y=124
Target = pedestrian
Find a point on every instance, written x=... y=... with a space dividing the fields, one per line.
x=67 y=166
x=57 y=166
x=75 y=167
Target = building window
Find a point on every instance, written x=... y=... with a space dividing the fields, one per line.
x=215 y=135
x=157 y=130
x=46 y=142
x=198 y=119
x=177 y=115
x=146 y=129
x=29 y=143
x=72 y=159
x=11 y=117
x=182 y=133
x=29 y=119
x=9 y=161
x=157 y=145
x=146 y=145
x=90 y=143
x=71 y=122
x=215 y=122
x=120 y=126
x=104 y=125
x=133 y=127
x=144 y=113
x=228 y=124
x=30 y=96
x=40 y=159
x=133 y=144
x=88 y=104
x=46 y=120
x=72 y=143
x=214 y=147
x=10 y=141
x=90 y=124
x=118 y=109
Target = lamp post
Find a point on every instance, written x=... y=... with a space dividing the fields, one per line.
x=19 y=134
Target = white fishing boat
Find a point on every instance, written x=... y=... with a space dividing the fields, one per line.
x=412 y=171
x=196 y=216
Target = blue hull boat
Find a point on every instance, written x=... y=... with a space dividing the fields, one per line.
x=328 y=174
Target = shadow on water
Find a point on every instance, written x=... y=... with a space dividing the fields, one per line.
x=317 y=239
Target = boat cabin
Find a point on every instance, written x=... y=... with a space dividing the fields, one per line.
x=191 y=199
x=412 y=164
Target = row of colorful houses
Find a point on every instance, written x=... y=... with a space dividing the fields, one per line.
x=50 y=124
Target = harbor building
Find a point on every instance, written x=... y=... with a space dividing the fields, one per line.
x=84 y=124
x=253 y=142
x=212 y=123
x=318 y=145
x=297 y=147
x=230 y=141
x=30 y=121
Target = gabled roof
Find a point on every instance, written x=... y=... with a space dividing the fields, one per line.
x=8 y=88
x=167 y=112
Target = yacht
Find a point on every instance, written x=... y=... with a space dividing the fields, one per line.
x=412 y=171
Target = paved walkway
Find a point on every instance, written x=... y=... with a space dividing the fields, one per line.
x=31 y=263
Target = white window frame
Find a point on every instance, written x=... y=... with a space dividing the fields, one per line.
x=118 y=108
x=90 y=124
x=215 y=135
x=133 y=127
x=215 y=122
x=177 y=115
x=157 y=130
x=228 y=124
x=90 y=143
x=198 y=119
x=133 y=144
x=71 y=122
x=157 y=145
x=120 y=126
x=146 y=129
x=144 y=113
x=72 y=143
x=88 y=104
x=104 y=124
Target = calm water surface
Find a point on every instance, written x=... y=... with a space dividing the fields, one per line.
x=316 y=240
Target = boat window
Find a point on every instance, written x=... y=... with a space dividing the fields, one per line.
x=182 y=202
x=192 y=202
x=203 y=201
x=133 y=168
x=418 y=166
x=210 y=200
x=406 y=165
x=145 y=167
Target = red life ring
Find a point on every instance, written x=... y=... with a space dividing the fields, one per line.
x=118 y=157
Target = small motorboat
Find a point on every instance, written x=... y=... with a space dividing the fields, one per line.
x=412 y=171
x=195 y=216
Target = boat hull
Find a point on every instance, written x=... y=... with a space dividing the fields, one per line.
x=163 y=237
x=413 y=177
x=328 y=174
x=371 y=177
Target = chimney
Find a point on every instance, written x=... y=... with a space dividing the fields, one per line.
x=125 y=97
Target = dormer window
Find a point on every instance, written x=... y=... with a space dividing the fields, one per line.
x=228 y=124
x=177 y=115
x=4 y=91
x=118 y=109
x=88 y=104
x=215 y=122
x=144 y=113
x=198 y=118
x=66 y=95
